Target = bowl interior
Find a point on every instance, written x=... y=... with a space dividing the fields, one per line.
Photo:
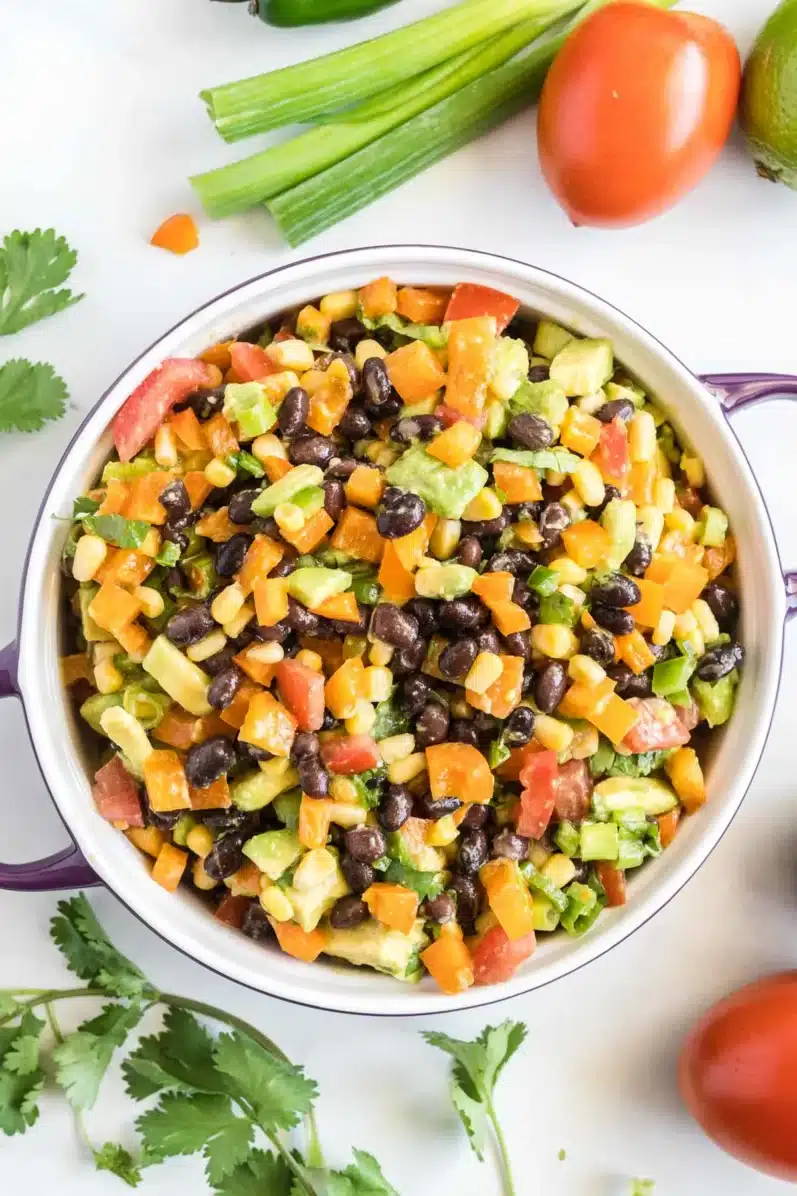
x=182 y=918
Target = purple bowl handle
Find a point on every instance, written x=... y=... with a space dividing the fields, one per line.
x=737 y=391
x=66 y=869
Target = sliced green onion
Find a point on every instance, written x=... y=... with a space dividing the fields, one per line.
x=308 y=89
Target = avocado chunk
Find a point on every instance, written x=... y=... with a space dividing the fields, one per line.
x=624 y=391
x=497 y=418
x=619 y=520
x=92 y=632
x=256 y=790
x=445 y=491
x=583 y=366
x=312 y=585
x=299 y=478
x=618 y=793
x=273 y=851
x=444 y=581
x=546 y=399
x=178 y=676
x=246 y=404
x=550 y=338
x=713 y=527
x=310 y=905
x=422 y=858
x=599 y=841
x=715 y=699
x=94 y=707
x=372 y=945
x=286 y=807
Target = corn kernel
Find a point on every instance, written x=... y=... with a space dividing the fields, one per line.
x=363 y=718
x=664 y=495
x=642 y=436
x=554 y=640
x=378 y=683
x=574 y=505
x=484 y=672
x=268 y=445
x=166 y=447
x=555 y=477
x=293 y=354
x=576 y=595
x=107 y=677
x=235 y=626
x=568 y=571
x=586 y=670
x=214 y=376
x=342 y=789
x=200 y=840
x=276 y=903
x=151 y=544
x=485 y=505
x=314 y=868
x=664 y=629
x=442 y=832
x=559 y=869
x=310 y=660
x=527 y=534
x=694 y=470
x=680 y=521
x=289 y=517
x=381 y=653
x=553 y=734
x=90 y=552
x=689 y=633
x=588 y=482
x=445 y=538
x=372 y=450
x=705 y=619
x=209 y=646
x=651 y=521
x=402 y=771
x=367 y=349
x=225 y=606
x=219 y=474
x=584 y=743
x=104 y=650
x=396 y=747
x=591 y=404
x=385 y=457
x=200 y=877
x=339 y=305
x=269 y=653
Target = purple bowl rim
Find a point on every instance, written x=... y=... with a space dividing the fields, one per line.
x=37 y=520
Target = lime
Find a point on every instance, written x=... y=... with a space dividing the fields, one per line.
x=769 y=97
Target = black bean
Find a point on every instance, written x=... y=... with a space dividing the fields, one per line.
x=599 y=645
x=426 y=807
x=431 y=726
x=268 y=527
x=477 y=817
x=208 y=761
x=164 y=820
x=719 y=661
x=531 y=431
x=616 y=590
x=523 y=596
x=345 y=335
x=393 y=625
x=220 y=660
x=224 y=687
x=469 y=552
x=467 y=898
x=175 y=535
x=354 y=424
x=472 y=851
x=482 y=528
x=408 y=660
x=550 y=685
x=615 y=409
x=358 y=875
x=513 y=561
x=232 y=819
x=283 y=568
x=274 y=635
x=207 y=402
x=518 y=644
x=250 y=753
x=351 y=366
x=311 y=450
x=440 y=909
x=190 y=625
x=376 y=384
x=405 y=430
x=344 y=627
x=348 y=912
x=462 y=730
x=255 y=923
x=313 y=777
x=613 y=618
x=425 y=611
x=640 y=556
x=509 y=846
x=455 y=660
x=629 y=684
x=553 y=521
x=538 y=373
x=225 y=856
x=395 y=807
x=305 y=746
x=341 y=468
x=463 y=614
x=722 y=604
x=415 y=693
x=240 y=506
x=400 y=513
x=489 y=640
x=365 y=844
x=334 y=499
x=176 y=500
x=299 y=619
x=521 y=511
x=429 y=425
x=230 y=555
x=293 y=411
x=519 y=727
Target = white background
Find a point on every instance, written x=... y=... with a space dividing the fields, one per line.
x=101 y=125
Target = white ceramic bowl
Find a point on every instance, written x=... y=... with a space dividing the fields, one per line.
x=182 y=919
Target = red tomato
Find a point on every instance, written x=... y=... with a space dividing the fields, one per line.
x=611 y=456
x=251 y=362
x=538 y=778
x=738 y=1074
x=688 y=716
x=448 y=416
x=115 y=794
x=137 y=421
x=469 y=299
x=231 y=910
x=496 y=957
x=352 y=753
x=634 y=111
x=613 y=881
x=302 y=691
x=656 y=728
x=572 y=790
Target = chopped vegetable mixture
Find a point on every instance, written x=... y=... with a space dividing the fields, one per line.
x=400 y=624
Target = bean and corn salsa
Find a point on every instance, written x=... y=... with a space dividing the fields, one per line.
x=400 y=624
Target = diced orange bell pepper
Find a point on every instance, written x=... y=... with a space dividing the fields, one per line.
x=301 y=944
x=421 y=306
x=259 y=671
x=504 y=694
x=214 y=797
x=641 y=483
x=339 y=606
x=365 y=487
x=134 y=640
x=510 y=618
x=459 y=770
x=112 y=608
x=271 y=600
x=634 y=650
x=328 y=404
x=517 y=482
x=218 y=355
x=614 y=718
x=392 y=905
x=448 y=961
x=217 y=526
x=456 y=445
x=511 y=768
x=315 y=815
x=178 y=233
x=168 y=869
x=647 y=611
x=414 y=371
x=345 y=687
x=176 y=728
x=188 y=429
x=686 y=775
x=684 y=586
x=494 y=587
x=410 y=548
x=276 y=468
x=587 y=543
x=717 y=560
x=378 y=298
x=668 y=825
x=330 y=651
x=145 y=491
x=198 y=487
x=234 y=715
x=268 y=725
x=149 y=839
x=221 y=439
x=580 y=431
x=212 y=724
x=357 y=535
x=310 y=536
x=164 y=777
x=125 y=567
x=470 y=349
x=508 y=896
x=580 y=700
x=398 y=584
x=116 y=497
x=263 y=555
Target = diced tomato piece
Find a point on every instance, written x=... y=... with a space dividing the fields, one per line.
x=572 y=791
x=613 y=881
x=142 y=414
x=497 y=957
x=469 y=299
x=448 y=416
x=115 y=794
x=657 y=727
x=350 y=754
x=688 y=716
x=538 y=798
x=302 y=691
x=251 y=362
x=611 y=456
x=231 y=910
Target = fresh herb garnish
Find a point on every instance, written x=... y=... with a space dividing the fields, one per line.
x=115 y=529
x=369 y=786
x=31 y=394
x=558 y=608
x=243 y=462
x=84 y=506
x=558 y=459
x=169 y=554
x=31 y=266
x=426 y=884
x=391 y=719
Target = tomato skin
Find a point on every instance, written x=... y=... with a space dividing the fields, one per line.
x=738 y=1074
x=352 y=753
x=572 y=791
x=538 y=798
x=613 y=881
x=657 y=726
x=115 y=794
x=140 y=416
x=469 y=299
x=496 y=957
x=302 y=690
x=634 y=111
x=611 y=456
x=251 y=362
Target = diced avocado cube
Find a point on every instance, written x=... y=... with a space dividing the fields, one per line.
x=631 y=850
x=289 y=485
x=246 y=404
x=546 y=399
x=273 y=851
x=423 y=858
x=256 y=790
x=445 y=491
x=372 y=945
x=92 y=632
x=632 y=818
x=312 y=585
x=286 y=807
x=509 y=366
x=544 y=916
x=444 y=581
x=618 y=793
x=624 y=391
x=599 y=841
x=583 y=366
x=497 y=418
x=310 y=905
x=713 y=527
x=672 y=676
x=619 y=520
x=422 y=407
x=94 y=707
x=550 y=338
x=567 y=838
x=715 y=699
x=178 y=676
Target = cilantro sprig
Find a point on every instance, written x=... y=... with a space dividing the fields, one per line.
x=31 y=394
x=32 y=265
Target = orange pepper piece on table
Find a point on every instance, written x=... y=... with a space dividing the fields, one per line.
x=459 y=770
x=178 y=233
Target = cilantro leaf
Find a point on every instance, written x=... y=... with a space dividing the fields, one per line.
x=82 y=1059
x=114 y=1158
x=278 y=1091
x=31 y=394
x=364 y=1177
x=19 y=1045
x=169 y=554
x=180 y=1057
x=262 y=1174
x=473 y=1115
x=124 y=533
x=368 y=786
x=9 y=1007
x=426 y=884
x=390 y=719
x=558 y=459
x=91 y=955
x=202 y=1122
x=19 y=1096
x=84 y=506
x=31 y=266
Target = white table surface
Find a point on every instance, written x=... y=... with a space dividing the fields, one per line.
x=101 y=128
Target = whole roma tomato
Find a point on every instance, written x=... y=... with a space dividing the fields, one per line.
x=738 y=1074
x=634 y=111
